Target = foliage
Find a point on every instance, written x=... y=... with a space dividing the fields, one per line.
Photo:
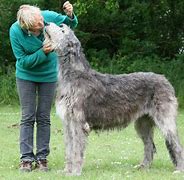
x=133 y=27
x=117 y=36
x=8 y=94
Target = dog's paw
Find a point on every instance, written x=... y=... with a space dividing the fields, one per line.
x=73 y=174
x=141 y=166
x=68 y=172
x=178 y=170
x=138 y=166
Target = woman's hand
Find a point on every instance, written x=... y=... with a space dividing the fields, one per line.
x=68 y=9
x=47 y=48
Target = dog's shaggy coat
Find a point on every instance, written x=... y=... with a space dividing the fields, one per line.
x=88 y=100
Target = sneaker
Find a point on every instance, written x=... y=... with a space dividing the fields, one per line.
x=41 y=165
x=26 y=166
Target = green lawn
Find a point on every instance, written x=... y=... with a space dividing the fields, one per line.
x=109 y=155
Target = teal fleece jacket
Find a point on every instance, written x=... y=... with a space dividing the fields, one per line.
x=31 y=62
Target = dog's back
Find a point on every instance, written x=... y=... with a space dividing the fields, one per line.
x=116 y=100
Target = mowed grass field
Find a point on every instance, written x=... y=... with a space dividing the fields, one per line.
x=109 y=155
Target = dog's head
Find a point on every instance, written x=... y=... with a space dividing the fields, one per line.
x=61 y=37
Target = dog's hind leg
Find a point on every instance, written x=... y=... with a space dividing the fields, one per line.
x=75 y=141
x=166 y=121
x=145 y=127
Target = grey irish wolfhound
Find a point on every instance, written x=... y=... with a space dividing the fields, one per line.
x=88 y=100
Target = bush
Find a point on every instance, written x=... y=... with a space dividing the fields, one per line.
x=8 y=93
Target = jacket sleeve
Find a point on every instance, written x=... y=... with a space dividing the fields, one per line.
x=71 y=22
x=25 y=60
x=51 y=16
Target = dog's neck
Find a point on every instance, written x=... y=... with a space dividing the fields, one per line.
x=72 y=63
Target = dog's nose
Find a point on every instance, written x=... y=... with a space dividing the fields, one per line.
x=61 y=25
x=46 y=23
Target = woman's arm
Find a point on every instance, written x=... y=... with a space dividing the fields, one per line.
x=24 y=59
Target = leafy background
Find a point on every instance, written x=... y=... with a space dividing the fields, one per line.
x=118 y=36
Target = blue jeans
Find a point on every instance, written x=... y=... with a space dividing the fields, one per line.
x=36 y=101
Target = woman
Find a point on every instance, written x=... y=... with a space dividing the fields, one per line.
x=36 y=76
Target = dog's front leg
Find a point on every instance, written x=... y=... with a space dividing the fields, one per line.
x=75 y=141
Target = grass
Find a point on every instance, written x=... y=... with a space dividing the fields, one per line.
x=109 y=155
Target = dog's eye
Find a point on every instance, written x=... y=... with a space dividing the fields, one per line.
x=62 y=30
x=61 y=25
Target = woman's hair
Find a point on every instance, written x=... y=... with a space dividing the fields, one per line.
x=26 y=15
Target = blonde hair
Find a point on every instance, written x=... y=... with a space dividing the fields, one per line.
x=26 y=15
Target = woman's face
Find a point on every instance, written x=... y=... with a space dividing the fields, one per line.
x=38 y=24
